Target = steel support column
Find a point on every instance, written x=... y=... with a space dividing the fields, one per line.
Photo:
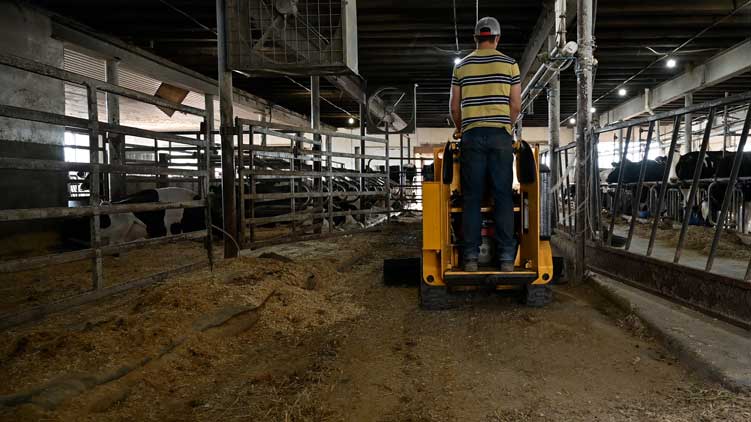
x=227 y=129
x=583 y=126
x=688 y=139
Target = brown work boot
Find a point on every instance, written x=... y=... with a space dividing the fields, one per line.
x=470 y=266
x=507 y=267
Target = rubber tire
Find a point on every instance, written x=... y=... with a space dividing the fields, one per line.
x=402 y=272
x=436 y=298
x=538 y=295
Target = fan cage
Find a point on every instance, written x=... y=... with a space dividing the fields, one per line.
x=292 y=37
x=404 y=111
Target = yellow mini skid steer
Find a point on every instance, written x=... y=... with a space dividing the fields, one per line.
x=441 y=272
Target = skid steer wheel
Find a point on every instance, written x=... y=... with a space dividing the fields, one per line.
x=538 y=295
x=436 y=298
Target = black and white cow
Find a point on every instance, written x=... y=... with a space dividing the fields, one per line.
x=654 y=172
x=717 y=193
x=125 y=227
x=686 y=165
x=682 y=170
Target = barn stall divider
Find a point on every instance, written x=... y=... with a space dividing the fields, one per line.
x=300 y=183
x=703 y=192
x=100 y=134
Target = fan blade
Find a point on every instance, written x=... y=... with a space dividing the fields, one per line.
x=399 y=100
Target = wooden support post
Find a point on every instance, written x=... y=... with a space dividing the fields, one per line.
x=688 y=145
x=401 y=166
x=227 y=130
x=95 y=177
x=243 y=174
x=583 y=130
x=296 y=146
x=363 y=111
x=315 y=123
x=118 y=185
x=330 y=181
x=163 y=179
x=554 y=127
x=205 y=181
x=209 y=133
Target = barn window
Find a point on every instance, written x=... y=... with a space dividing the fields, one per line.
x=76 y=151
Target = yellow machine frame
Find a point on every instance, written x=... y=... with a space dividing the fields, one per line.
x=440 y=258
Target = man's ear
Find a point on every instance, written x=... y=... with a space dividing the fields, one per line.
x=497 y=39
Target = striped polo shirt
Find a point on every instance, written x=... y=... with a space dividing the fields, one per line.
x=485 y=77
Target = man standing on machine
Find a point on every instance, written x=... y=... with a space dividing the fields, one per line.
x=485 y=102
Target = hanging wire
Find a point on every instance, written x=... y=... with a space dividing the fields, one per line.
x=188 y=15
x=324 y=99
x=477 y=10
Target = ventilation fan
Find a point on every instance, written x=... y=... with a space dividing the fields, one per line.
x=391 y=110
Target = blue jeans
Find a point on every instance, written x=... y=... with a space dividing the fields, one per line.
x=487 y=156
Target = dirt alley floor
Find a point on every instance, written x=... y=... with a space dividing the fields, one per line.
x=321 y=339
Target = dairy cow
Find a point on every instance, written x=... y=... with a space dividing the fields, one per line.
x=717 y=193
x=653 y=173
x=125 y=227
x=686 y=165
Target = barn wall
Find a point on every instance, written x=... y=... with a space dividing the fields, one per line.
x=27 y=33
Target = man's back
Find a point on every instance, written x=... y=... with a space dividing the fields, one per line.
x=485 y=78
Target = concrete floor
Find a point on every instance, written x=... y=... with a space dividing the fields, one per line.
x=715 y=349
x=331 y=342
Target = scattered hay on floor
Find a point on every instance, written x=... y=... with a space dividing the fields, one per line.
x=305 y=294
x=698 y=238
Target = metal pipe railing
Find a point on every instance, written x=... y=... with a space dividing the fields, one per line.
x=674 y=199
x=96 y=130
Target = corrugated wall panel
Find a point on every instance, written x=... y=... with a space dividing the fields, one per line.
x=132 y=112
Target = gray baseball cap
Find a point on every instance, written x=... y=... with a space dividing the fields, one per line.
x=488 y=26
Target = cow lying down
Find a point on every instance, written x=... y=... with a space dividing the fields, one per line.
x=127 y=227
